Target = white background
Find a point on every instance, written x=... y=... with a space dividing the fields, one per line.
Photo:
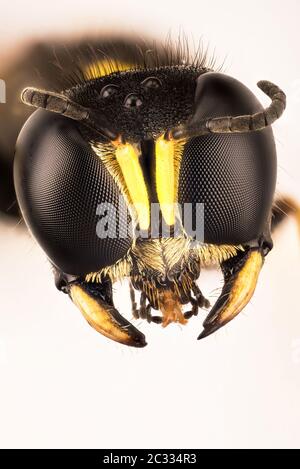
x=64 y=385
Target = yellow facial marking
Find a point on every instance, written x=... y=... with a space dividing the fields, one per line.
x=97 y=316
x=128 y=159
x=105 y=67
x=243 y=287
x=165 y=178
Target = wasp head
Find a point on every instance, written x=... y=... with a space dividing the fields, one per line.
x=168 y=136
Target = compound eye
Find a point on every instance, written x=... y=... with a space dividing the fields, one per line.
x=132 y=101
x=108 y=91
x=232 y=175
x=151 y=83
x=67 y=196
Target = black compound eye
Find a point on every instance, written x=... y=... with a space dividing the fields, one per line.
x=232 y=175
x=151 y=83
x=68 y=199
x=132 y=101
x=108 y=91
